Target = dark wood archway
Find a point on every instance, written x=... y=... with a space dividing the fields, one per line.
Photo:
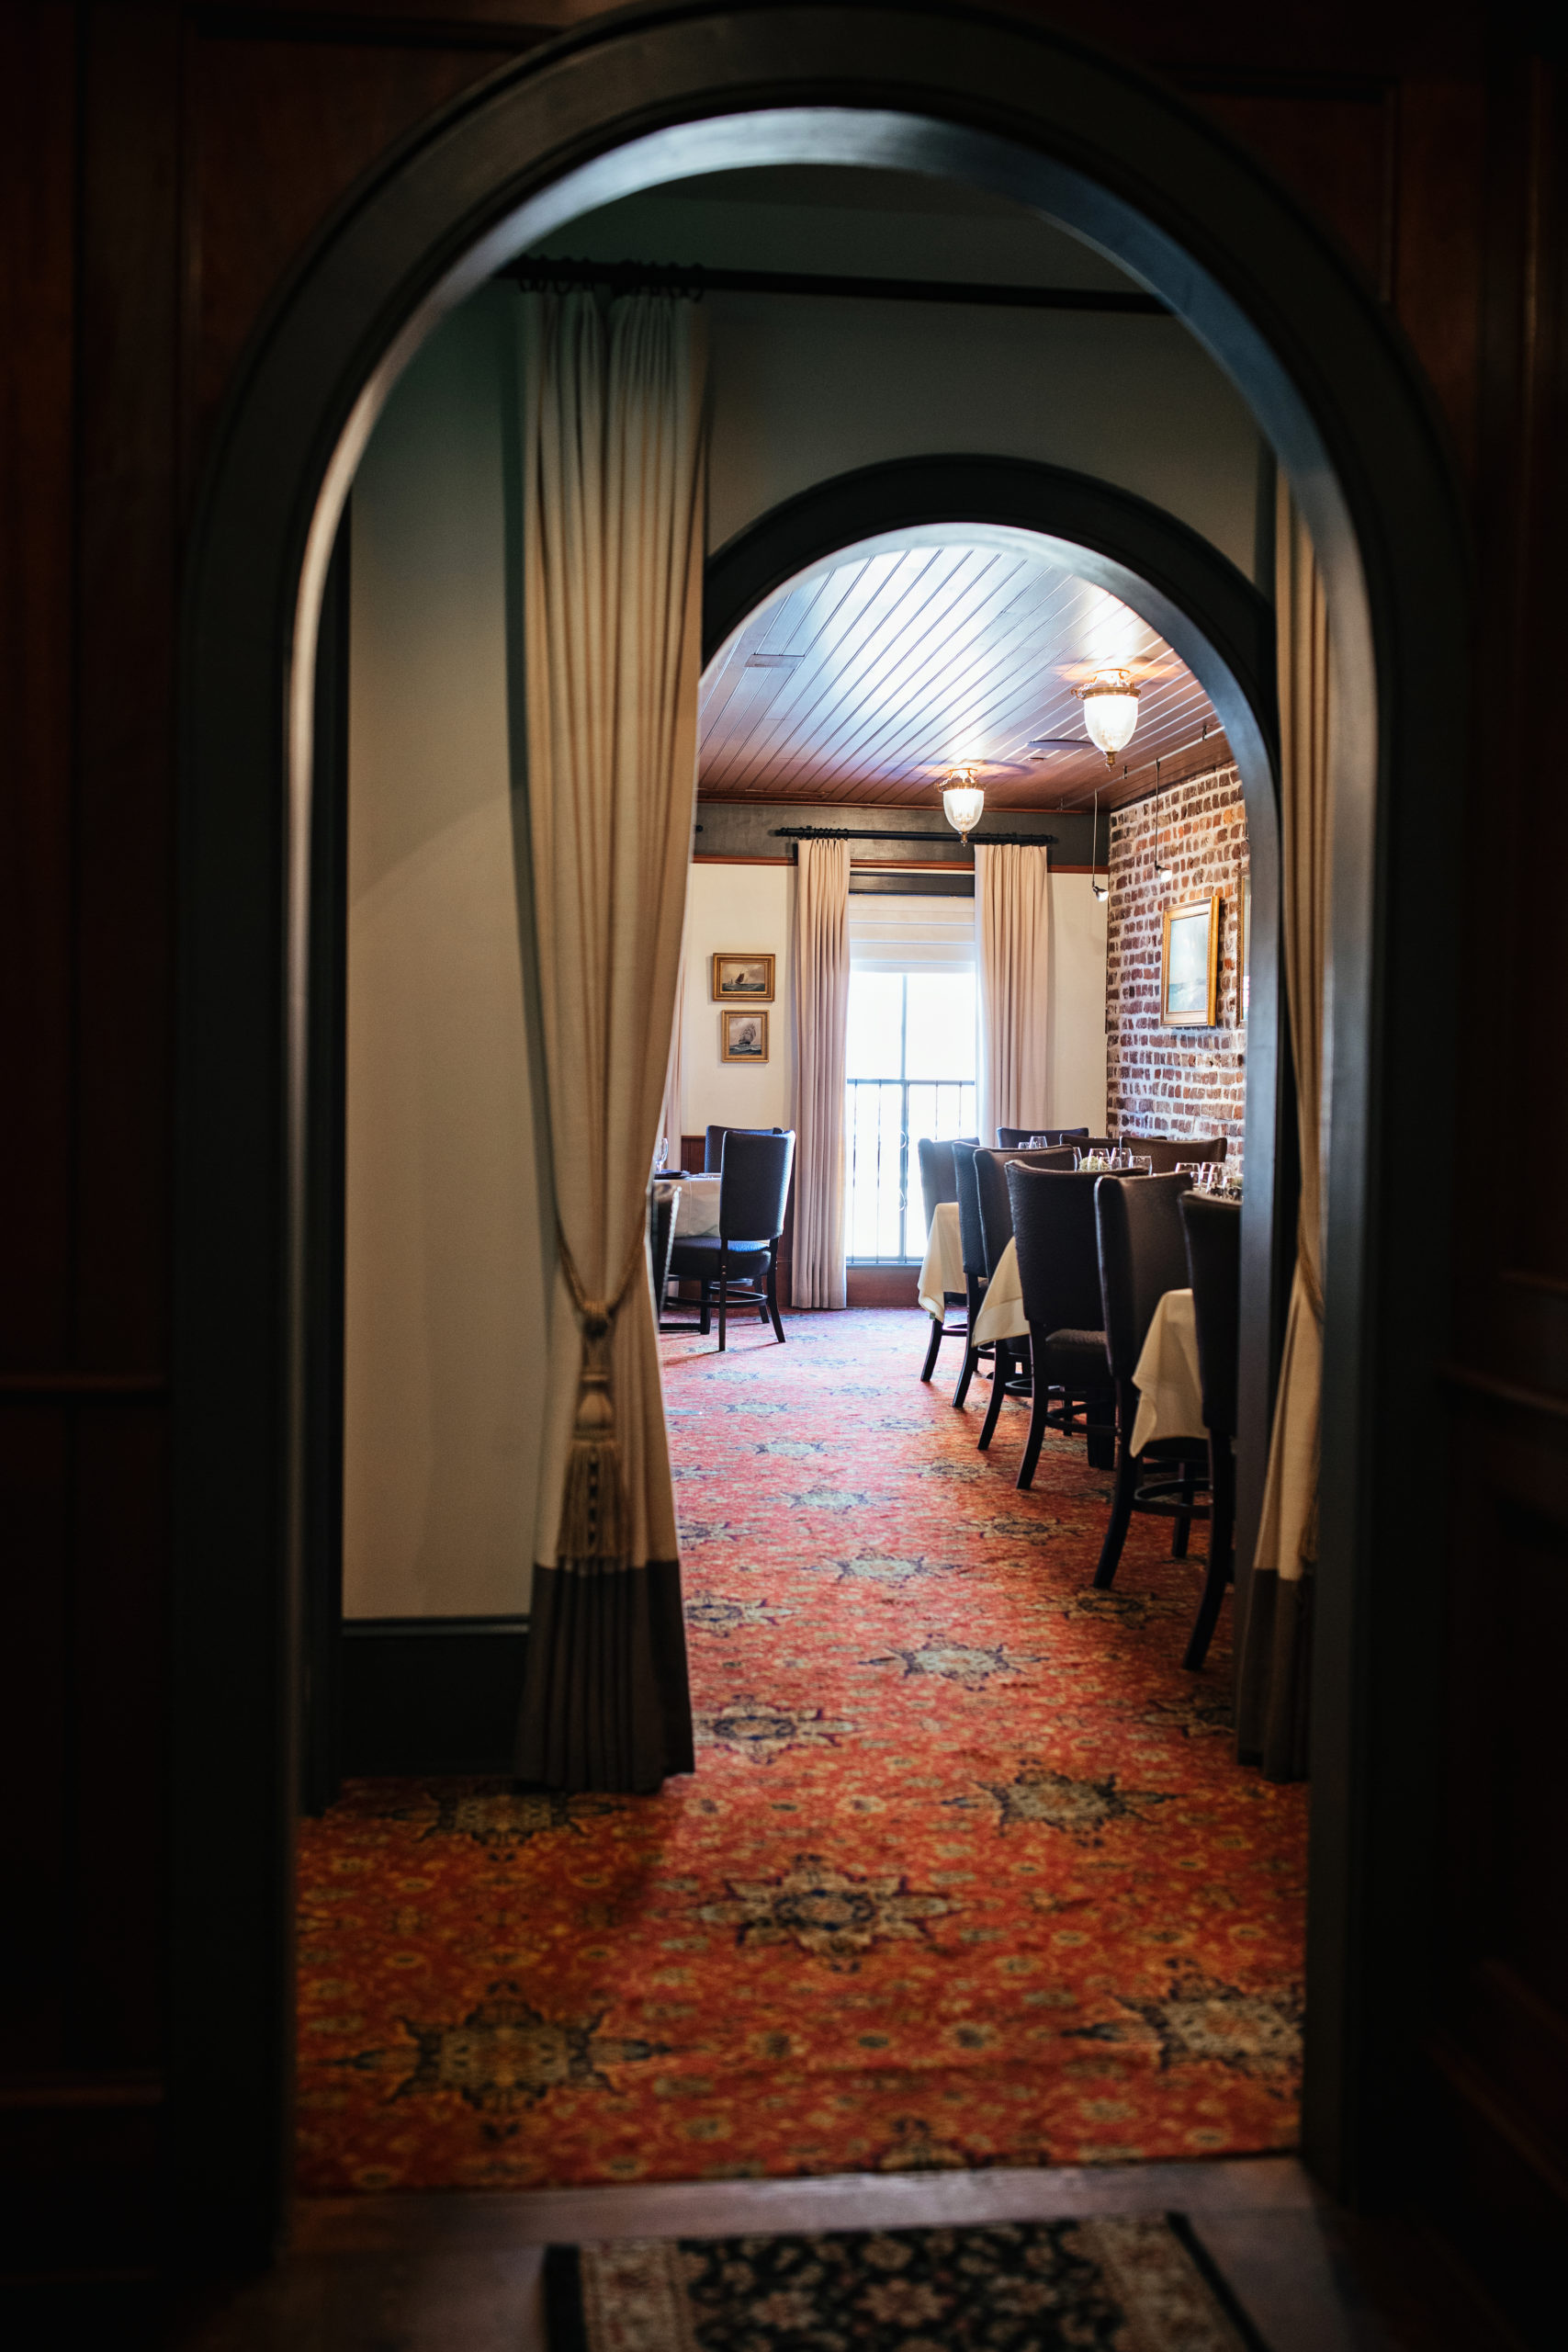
x=1224 y=630
x=630 y=101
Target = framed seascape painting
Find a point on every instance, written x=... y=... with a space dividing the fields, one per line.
x=744 y=978
x=744 y=1036
x=1190 y=965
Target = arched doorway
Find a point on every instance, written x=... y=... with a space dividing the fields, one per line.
x=1023 y=112
x=1224 y=629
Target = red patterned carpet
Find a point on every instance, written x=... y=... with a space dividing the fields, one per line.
x=965 y=1875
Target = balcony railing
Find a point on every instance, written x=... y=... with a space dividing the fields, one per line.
x=884 y=1118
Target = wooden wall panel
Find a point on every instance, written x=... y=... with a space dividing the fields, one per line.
x=1332 y=143
x=37 y=67
x=277 y=131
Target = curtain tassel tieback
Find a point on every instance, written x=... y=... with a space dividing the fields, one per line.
x=593 y=1518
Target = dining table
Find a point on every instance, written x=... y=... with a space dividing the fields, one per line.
x=941 y=1269
x=696 y=1210
x=1170 y=1391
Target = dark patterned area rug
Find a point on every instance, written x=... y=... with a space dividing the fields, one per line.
x=1139 y=2284
x=966 y=1874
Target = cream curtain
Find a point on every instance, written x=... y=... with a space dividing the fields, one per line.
x=1274 y=1687
x=1012 y=952
x=610 y=471
x=821 y=1030
x=670 y=1109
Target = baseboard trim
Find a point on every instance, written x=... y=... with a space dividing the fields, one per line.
x=431 y=1694
x=80 y=2173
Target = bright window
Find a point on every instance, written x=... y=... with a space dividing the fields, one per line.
x=911 y=1073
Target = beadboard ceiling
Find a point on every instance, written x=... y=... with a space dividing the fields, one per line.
x=870 y=677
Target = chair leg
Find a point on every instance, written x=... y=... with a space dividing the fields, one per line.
x=971 y=1358
x=1039 y=1407
x=930 y=1364
x=1222 y=1563
x=705 y=1313
x=1001 y=1373
x=723 y=1292
x=1100 y=1437
x=772 y=1302
x=1183 y=1527
x=1121 y=1496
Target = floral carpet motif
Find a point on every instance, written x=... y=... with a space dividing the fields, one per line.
x=1094 y=2286
x=967 y=1874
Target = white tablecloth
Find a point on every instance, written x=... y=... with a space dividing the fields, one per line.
x=943 y=1267
x=696 y=1210
x=1001 y=1311
x=1170 y=1393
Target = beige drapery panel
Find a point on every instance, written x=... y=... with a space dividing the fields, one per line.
x=610 y=471
x=821 y=1031
x=1012 y=952
x=1274 y=1686
x=670 y=1109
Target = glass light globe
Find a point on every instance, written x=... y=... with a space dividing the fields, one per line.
x=963 y=805
x=1110 y=711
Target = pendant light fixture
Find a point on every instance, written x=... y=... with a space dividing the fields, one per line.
x=1101 y=890
x=1110 y=710
x=963 y=802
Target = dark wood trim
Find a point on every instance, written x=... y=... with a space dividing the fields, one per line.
x=322 y=1595
x=431 y=1694
x=697 y=279
x=370 y=28
x=1002 y=102
x=882 y=1286
x=80 y=1387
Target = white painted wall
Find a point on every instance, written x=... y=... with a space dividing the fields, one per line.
x=1078 y=1004
x=730 y=909
x=747 y=909
x=807 y=386
x=446 y=1228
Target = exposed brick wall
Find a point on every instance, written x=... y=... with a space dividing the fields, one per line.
x=1175 y=1082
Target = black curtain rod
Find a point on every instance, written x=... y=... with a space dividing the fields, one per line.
x=841 y=833
x=635 y=276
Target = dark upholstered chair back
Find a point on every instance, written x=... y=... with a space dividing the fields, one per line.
x=754 y=1184
x=970 y=1232
x=1142 y=1253
x=1053 y=1224
x=938 y=1182
x=1213 y=1229
x=713 y=1147
x=1169 y=1152
x=995 y=1205
x=1012 y=1138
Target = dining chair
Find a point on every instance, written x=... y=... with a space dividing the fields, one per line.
x=972 y=1242
x=939 y=1184
x=1012 y=1138
x=1142 y=1253
x=712 y=1146
x=1058 y=1273
x=752 y=1193
x=1010 y=1371
x=1167 y=1153
x=1212 y=1232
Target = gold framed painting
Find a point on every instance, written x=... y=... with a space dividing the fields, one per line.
x=742 y=980
x=743 y=1036
x=1190 y=965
